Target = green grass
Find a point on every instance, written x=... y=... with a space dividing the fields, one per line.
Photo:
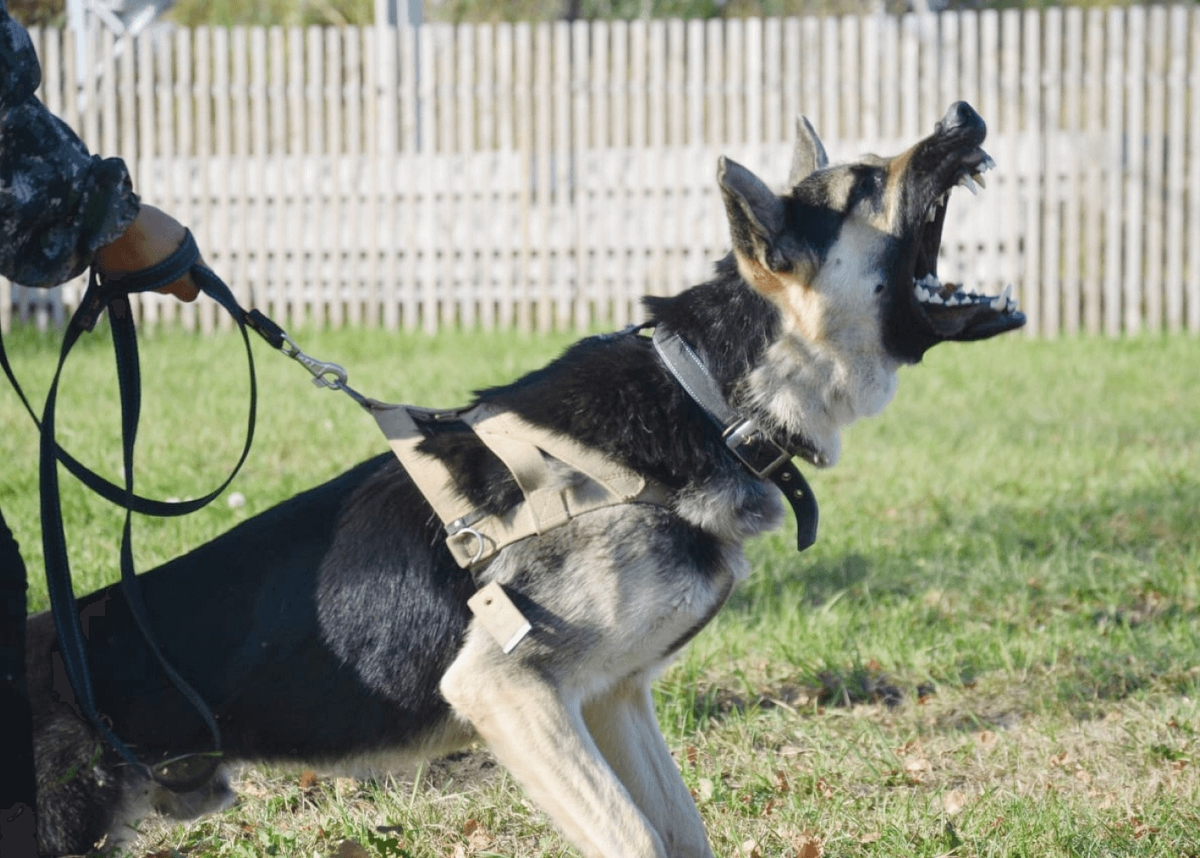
x=1011 y=550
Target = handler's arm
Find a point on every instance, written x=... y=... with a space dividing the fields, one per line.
x=61 y=207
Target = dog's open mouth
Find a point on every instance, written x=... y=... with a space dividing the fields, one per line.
x=948 y=311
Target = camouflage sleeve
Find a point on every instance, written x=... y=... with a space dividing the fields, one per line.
x=57 y=202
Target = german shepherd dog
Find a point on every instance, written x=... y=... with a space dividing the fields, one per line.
x=334 y=631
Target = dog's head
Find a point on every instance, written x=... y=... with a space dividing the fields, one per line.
x=849 y=253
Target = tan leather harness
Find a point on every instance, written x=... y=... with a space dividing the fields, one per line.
x=475 y=536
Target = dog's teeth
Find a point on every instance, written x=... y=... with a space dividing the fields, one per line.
x=978 y=178
x=988 y=163
x=953 y=301
x=969 y=183
x=997 y=303
x=935 y=299
x=931 y=215
x=1007 y=293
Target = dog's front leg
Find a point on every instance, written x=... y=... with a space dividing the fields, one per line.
x=623 y=724
x=536 y=730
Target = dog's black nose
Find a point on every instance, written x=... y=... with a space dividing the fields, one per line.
x=960 y=115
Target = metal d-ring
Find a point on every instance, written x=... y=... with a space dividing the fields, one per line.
x=463 y=525
x=479 y=541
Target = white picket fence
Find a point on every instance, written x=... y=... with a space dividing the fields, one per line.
x=547 y=176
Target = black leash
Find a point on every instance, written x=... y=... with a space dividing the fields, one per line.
x=180 y=774
x=753 y=447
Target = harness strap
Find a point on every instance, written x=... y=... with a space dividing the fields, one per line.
x=475 y=536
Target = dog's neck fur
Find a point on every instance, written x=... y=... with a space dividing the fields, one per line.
x=801 y=391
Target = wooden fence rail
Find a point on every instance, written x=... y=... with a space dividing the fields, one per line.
x=548 y=175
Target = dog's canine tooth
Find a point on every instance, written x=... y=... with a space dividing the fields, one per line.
x=997 y=303
x=969 y=183
x=978 y=178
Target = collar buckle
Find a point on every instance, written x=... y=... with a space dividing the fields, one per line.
x=755 y=449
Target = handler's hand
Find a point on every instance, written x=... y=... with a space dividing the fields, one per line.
x=150 y=239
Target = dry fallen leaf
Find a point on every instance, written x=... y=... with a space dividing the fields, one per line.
x=781 y=782
x=750 y=849
x=808 y=845
x=308 y=779
x=987 y=738
x=869 y=837
x=917 y=765
x=1062 y=759
x=252 y=789
x=823 y=787
x=954 y=801
x=705 y=787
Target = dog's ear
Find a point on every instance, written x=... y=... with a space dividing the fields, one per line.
x=756 y=220
x=809 y=154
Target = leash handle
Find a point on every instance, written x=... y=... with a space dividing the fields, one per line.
x=112 y=294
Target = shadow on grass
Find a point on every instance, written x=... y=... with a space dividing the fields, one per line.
x=1140 y=529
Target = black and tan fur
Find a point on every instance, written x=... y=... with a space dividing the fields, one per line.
x=333 y=630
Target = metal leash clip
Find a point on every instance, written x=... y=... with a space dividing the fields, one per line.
x=325 y=373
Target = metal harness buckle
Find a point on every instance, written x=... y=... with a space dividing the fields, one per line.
x=754 y=449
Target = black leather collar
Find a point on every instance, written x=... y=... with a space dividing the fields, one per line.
x=753 y=447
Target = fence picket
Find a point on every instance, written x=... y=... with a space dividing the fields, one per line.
x=1177 y=130
x=1152 y=310
x=1051 y=123
x=1072 y=98
x=1114 y=196
x=1193 y=146
x=1096 y=170
x=1132 y=283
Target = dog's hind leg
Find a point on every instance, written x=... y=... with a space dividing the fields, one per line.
x=537 y=731
x=623 y=724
